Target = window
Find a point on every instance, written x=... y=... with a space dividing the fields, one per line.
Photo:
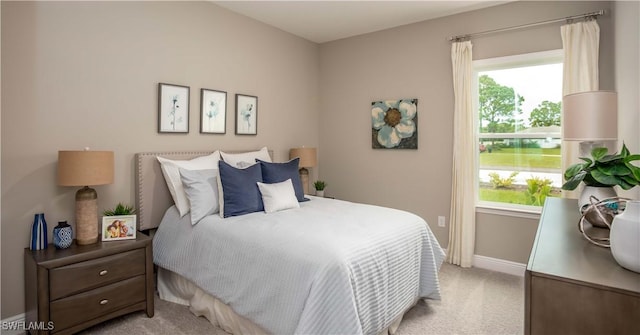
x=518 y=105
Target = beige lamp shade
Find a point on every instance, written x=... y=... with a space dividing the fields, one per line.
x=590 y=116
x=308 y=157
x=85 y=168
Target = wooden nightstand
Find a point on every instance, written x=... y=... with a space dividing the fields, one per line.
x=83 y=285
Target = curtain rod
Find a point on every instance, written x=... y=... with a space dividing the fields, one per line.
x=586 y=15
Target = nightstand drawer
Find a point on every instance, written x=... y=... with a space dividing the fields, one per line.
x=82 y=276
x=92 y=304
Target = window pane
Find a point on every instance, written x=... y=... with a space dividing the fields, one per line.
x=519 y=111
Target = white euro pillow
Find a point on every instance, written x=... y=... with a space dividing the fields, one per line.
x=278 y=196
x=171 y=171
x=245 y=159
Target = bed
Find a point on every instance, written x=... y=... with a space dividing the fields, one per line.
x=323 y=266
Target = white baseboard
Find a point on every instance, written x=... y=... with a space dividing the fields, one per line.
x=499 y=265
x=9 y=324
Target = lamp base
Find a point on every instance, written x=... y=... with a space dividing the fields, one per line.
x=304 y=178
x=86 y=216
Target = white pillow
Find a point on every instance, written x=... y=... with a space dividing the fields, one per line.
x=245 y=159
x=171 y=171
x=202 y=191
x=278 y=196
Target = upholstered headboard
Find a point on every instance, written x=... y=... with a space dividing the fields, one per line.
x=152 y=195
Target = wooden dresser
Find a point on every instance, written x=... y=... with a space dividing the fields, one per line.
x=573 y=286
x=75 y=288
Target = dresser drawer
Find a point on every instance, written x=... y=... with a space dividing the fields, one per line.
x=85 y=306
x=82 y=276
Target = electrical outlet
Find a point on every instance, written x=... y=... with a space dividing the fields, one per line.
x=441 y=221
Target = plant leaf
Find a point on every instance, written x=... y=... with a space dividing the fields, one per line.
x=572 y=183
x=572 y=171
x=631 y=158
x=598 y=153
x=610 y=158
x=614 y=170
x=604 y=178
x=624 y=152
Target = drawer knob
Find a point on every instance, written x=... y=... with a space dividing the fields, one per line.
x=103 y=272
x=104 y=301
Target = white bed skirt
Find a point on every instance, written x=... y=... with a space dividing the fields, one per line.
x=174 y=288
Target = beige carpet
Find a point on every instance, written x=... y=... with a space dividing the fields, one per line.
x=474 y=301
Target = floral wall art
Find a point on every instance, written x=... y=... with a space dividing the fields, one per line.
x=394 y=124
x=213 y=111
x=173 y=108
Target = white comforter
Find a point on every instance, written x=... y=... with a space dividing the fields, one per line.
x=329 y=267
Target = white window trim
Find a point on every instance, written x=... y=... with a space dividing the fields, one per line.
x=499 y=63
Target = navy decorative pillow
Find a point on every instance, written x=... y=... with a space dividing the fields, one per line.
x=279 y=172
x=240 y=192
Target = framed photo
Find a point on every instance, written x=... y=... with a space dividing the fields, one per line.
x=118 y=227
x=213 y=111
x=173 y=108
x=246 y=115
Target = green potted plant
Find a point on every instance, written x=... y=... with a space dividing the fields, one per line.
x=319 y=185
x=600 y=173
x=120 y=209
x=604 y=170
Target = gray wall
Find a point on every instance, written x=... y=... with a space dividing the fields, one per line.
x=86 y=74
x=414 y=61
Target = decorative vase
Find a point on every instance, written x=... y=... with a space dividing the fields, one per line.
x=625 y=237
x=598 y=193
x=62 y=235
x=320 y=193
x=39 y=240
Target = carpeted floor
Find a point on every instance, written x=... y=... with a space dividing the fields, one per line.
x=474 y=301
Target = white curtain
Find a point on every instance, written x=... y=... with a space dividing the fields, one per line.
x=580 y=45
x=462 y=229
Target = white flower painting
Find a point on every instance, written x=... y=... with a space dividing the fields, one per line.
x=173 y=108
x=213 y=113
x=394 y=124
x=246 y=115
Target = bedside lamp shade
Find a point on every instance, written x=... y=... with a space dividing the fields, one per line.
x=308 y=158
x=85 y=168
x=590 y=116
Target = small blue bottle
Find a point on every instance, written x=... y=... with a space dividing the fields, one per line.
x=39 y=239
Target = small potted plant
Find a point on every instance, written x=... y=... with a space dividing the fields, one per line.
x=600 y=173
x=319 y=185
x=604 y=170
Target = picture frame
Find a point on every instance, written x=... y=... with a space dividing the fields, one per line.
x=118 y=227
x=173 y=108
x=213 y=111
x=246 y=114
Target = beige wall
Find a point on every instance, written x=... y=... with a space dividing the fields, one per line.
x=86 y=74
x=627 y=69
x=414 y=61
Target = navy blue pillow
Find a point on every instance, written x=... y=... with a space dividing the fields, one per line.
x=279 y=172
x=240 y=190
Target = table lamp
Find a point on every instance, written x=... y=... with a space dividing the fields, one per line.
x=307 y=160
x=590 y=118
x=85 y=168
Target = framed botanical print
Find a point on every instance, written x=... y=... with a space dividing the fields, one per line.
x=246 y=114
x=173 y=108
x=213 y=111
